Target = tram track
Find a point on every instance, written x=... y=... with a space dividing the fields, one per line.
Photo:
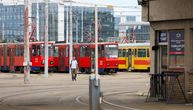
x=79 y=100
x=29 y=92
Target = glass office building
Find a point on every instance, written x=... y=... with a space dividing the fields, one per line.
x=12 y=22
x=52 y=20
x=84 y=23
x=138 y=33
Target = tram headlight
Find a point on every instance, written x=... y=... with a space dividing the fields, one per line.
x=43 y=62
x=51 y=62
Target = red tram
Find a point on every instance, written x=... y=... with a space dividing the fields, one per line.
x=85 y=55
x=12 y=56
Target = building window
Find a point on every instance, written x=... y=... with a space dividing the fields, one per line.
x=176 y=48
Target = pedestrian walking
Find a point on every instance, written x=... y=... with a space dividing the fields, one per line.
x=74 y=68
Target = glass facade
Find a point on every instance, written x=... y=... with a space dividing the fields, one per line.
x=52 y=20
x=12 y=22
x=85 y=16
x=140 y=33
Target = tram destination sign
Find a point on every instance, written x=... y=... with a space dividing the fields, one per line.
x=176 y=42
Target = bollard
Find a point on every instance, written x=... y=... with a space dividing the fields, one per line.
x=94 y=93
x=101 y=100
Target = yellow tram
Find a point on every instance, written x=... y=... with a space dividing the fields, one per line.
x=134 y=56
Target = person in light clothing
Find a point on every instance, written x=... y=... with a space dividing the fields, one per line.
x=74 y=68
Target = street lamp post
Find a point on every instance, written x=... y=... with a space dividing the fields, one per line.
x=46 y=40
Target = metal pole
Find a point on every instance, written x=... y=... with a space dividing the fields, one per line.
x=67 y=35
x=82 y=25
x=76 y=30
x=94 y=81
x=46 y=39
x=26 y=63
x=96 y=40
x=70 y=35
x=37 y=21
x=3 y=33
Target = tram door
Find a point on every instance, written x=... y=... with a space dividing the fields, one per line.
x=5 y=55
x=163 y=65
x=130 y=58
x=12 y=55
x=61 y=59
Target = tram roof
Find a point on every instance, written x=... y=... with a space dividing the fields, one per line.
x=134 y=45
x=39 y=42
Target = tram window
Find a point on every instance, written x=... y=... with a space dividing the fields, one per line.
x=141 y=52
x=33 y=50
x=130 y=52
x=0 y=51
x=147 y=52
x=99 y=50
x=124 y=53
x=8 y=51
x=87 y=51
x=67 y=51
x=56 y=51
x=42 y=50
x=50 y=50
x=22 y=51
x=111 y=51
x=82 y=51
x=120 y=53
x=135 y=52
x=38 y=50
x=102 y=51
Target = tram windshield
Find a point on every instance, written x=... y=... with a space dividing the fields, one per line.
x=111 y=51
x=50 y=50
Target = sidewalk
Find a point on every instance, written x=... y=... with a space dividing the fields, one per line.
x=138 y=102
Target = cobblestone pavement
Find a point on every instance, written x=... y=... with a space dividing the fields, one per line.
x=122 y=91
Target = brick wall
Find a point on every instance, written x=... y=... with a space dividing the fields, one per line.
x=190 y=96
x=175 y=94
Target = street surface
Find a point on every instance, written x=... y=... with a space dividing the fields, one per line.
x=122 y=91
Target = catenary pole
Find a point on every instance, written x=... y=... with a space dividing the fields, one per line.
x=70 y=35
x=82 y=17
x=46 y=40
x=96 y=40
x=76 y=30
x=37 y=20
x=67 y=35
x=27 y=62
x=3 y=33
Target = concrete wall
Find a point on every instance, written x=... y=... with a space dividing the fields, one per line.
x=160 y=10
x=172 y=15
x=187 y=26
